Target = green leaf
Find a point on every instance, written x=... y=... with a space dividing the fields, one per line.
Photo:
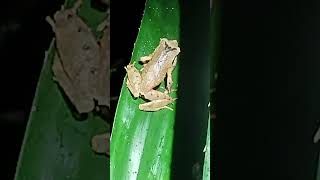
x=56 y=144
x=141 y=142
x=206 y=166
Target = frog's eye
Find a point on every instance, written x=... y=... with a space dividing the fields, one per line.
x=85 y=46
x=69 y=16
x=93 y=71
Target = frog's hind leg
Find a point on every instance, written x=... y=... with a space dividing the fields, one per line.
x=132 y=89
x=133 y=80
x=156 y=95
x=156 y=105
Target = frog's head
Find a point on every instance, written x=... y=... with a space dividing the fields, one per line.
x=64 y=17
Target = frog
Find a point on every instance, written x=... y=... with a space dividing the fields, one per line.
x=156 y=67
x=78 y=66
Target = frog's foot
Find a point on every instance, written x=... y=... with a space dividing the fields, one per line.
x=156 y=105
x=101 y=143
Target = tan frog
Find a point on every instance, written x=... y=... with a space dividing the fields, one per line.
x=157 y=66
x=78 y=66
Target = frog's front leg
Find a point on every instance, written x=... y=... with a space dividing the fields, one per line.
x=51 y=22
x=146 y=59
x=102 y=25
x=134 y=80
x=76 y=5
x=169 y=75
x=159 y=49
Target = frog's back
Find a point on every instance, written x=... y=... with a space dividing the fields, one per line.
x=152 y=79
x=156 y=69
x=152 y=76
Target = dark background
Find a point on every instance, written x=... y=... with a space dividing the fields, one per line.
x=267 y=91
x=125 y=20
x=24 y=38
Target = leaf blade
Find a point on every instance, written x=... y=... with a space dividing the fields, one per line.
x=144 y=139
